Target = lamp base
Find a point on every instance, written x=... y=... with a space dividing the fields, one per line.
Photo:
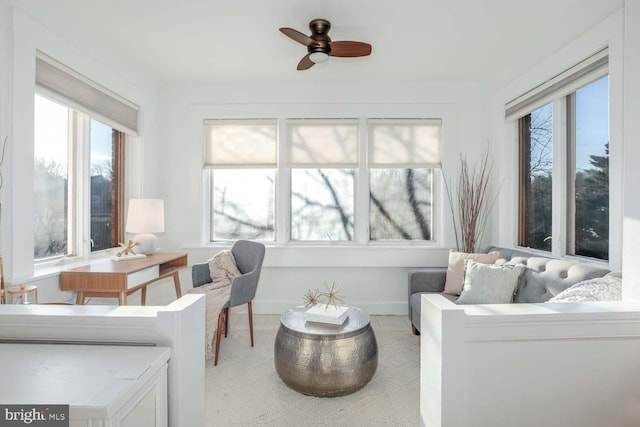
x=148 y=243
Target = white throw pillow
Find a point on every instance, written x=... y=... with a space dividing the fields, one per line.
x=489 y=284
x=608 y=288
x=455 y=269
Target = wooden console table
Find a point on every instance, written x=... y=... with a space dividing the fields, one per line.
x=118 y=279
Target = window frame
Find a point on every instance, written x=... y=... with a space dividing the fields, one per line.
x=79 y=240
x=563 y=172
x=440 y=235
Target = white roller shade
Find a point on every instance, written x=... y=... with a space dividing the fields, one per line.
x=404 y=143
x=323 y=143
x=82 y=94
x=587 y=71
x=240 y=143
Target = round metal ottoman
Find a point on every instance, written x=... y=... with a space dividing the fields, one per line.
x=325 y=360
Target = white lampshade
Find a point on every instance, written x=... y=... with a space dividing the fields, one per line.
x=145 y=217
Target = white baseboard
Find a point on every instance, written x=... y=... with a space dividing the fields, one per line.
x=395 y=308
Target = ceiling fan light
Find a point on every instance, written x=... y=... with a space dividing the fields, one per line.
x=318 y=57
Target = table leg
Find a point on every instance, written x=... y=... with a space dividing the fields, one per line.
x=122 y=298
x=143 y=296
x=176 y=282
x=80 y=297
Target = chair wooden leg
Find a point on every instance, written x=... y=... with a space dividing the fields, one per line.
x=218 y=335
x=250 y=310
x=226 y=321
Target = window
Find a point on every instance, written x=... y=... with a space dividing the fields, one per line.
x=402 y=154
x=536 y=162
x=564 y=162
x=589 y=139
x=78 y=162
x=340 y=180
x=323 y=155
x=61 y=136
x=241 y=157
x=51 y=136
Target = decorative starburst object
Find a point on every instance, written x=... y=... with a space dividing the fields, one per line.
x=332 y=294
x=311 y=298
x=128 y=248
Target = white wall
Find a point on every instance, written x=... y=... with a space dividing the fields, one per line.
x=165 y=161
x=375 y=279
x=20 y=37
x=607 y=33
x=631 y=223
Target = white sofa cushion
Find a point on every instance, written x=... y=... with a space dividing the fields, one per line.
x=608 y=288
x=455 y=269
x=489 y=284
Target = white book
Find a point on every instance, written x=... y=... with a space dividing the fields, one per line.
x=127 y=257
x=322 y=313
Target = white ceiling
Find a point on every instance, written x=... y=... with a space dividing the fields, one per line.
x=238 y=40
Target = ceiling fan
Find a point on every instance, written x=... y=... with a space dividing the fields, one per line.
x=320 y=47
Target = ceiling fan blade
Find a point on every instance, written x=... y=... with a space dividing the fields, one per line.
x=297 y=36
x=349 y=49
x=305 y=63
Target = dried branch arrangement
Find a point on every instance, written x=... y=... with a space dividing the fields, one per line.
x=474 y=202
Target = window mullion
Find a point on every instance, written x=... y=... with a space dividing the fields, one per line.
x=361 y=211
x=283 y=187
x=560 y=178
x=570 y=209
x=81 y=167
x=73 y=189
x=207 y=196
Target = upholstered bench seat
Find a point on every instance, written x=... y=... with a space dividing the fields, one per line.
x=543 y=279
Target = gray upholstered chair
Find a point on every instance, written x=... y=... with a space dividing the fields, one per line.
x=249 y=256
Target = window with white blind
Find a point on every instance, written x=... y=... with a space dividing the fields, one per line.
x=242 y=158
x=323 y=157
x=564 y=161
x=79 y=133
x=341 y=180
x=401 y=158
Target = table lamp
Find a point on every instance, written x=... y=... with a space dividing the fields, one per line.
x=145 y=217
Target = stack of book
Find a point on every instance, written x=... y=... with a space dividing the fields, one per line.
x=322 y=313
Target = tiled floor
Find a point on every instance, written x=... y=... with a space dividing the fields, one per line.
x=245 y=390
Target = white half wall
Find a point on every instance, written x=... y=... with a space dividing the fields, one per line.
x=179 y=326
x=529 y=365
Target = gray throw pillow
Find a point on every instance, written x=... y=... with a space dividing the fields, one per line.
x=489 y=284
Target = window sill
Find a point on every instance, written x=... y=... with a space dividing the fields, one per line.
x=53 y=268
x=338 y=255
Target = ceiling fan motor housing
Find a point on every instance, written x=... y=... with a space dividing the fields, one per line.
x=319 y=33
